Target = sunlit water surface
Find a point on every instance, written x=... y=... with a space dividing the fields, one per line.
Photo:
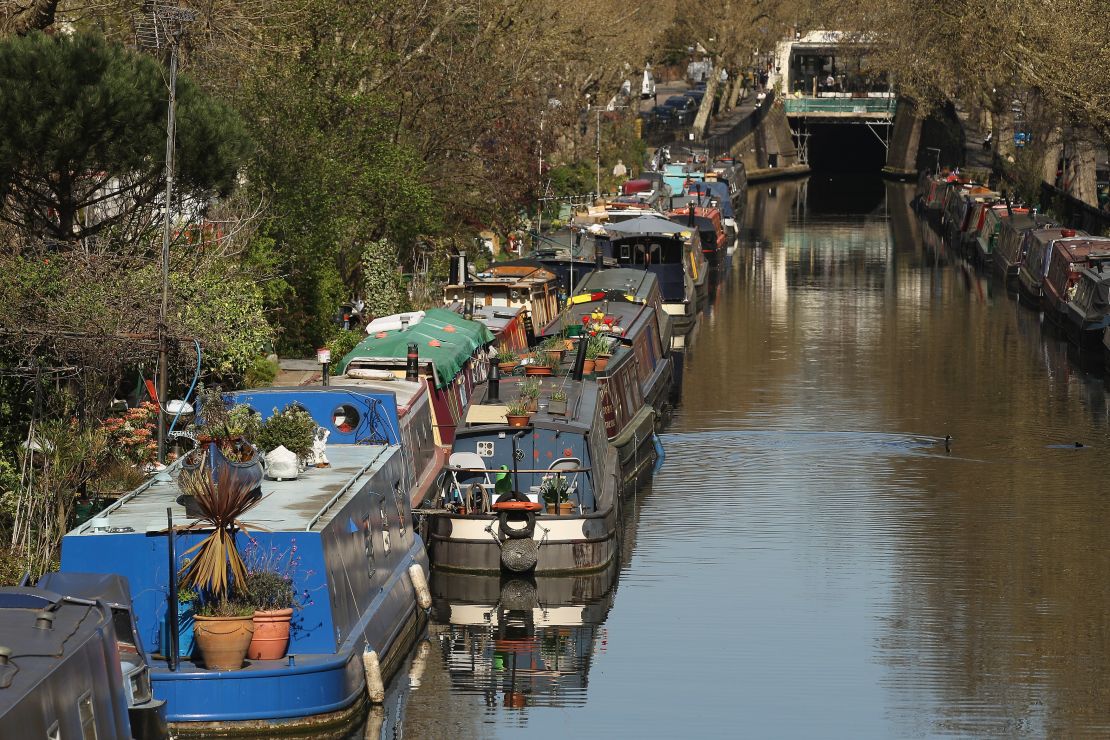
x=811 y=562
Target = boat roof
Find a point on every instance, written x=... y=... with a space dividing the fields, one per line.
x=509 y=276
x=443 y=337
x=644 y=226
x=1086 y=246
x=628 y=318
x=496 y=318
x=581 y=401
x=1052 y=233
x=296 y=505
x=36 y=653
x=639 y=283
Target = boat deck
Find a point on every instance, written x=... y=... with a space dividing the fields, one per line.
x=297 y=505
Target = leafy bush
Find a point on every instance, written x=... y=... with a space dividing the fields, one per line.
x=225 y=608
x=260 y=373
x=342 y=344
x=292 y=428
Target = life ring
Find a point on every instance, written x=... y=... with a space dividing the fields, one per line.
x=517 y=533
x=517 y=506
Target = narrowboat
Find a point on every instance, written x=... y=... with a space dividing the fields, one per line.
x=1087 y=314
x=716 y=195
x=1034 y=268
x=670 y=251
x=1067 y=258
x=531 y=287
x=1009 y=253
x=986 y=240
x=360 y=574
x=711 y=233
x=521 y=642
x=451 y=355
x=72 y=663
x=541 y=493
x=607 y=304
x=512 y=328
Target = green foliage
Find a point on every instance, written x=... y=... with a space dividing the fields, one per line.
x=519 y=407
x=382 y=285
x=260 y=373
x=77 y=111
x=555 y=490
x=342 y=344
x=292 y=428
x=225 y=607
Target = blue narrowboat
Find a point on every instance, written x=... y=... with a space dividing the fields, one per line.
x=360 y=578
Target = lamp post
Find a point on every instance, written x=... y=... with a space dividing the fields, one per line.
x=323 y=356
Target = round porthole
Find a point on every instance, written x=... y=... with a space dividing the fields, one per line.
x=345 y=418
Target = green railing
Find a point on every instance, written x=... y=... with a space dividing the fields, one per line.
x=840 y=106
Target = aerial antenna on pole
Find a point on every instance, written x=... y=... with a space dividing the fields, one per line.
x=160 y=27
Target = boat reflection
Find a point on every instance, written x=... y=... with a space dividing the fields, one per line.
x=521 y=642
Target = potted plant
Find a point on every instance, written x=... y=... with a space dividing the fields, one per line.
x=517 y=413
x=507 y=360
x=293 y=429
x=223 y=623
x=556 y=492
x=530 y=393
x=544 y=363
x=557 y=404
x=186 y=612
x=271 y=593
x=599 y=348
x=223 y=444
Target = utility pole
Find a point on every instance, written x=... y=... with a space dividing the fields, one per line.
x=167 y=27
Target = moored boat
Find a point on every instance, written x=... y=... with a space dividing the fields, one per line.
x=1038 y=251
x=542 y=493
x=350 y=526
x=72 y=663
x=1087 y=314
x=1067 y=258
x=986 y=240
x=1009 y=252
x=529 y=287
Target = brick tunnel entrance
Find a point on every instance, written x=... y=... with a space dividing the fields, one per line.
x=842 y=147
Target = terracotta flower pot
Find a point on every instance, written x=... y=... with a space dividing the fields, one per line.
x=600 y=364
x=517 y=421
x=589 y=366
x=507 y=367
x=223 y=641
x=271 y=634
x=564 y=509
x=533 y=405
x=538 y=370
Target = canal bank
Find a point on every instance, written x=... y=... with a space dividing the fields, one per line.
x=810 y=561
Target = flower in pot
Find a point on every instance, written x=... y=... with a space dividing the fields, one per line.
x=598 y=350
x=223 y=624
x=557 y=404
x=223 y=444
x=556 y=492
x=271 y=593
x=517 y=413
x=507 y=360
x=293 y=429
x=530 y=393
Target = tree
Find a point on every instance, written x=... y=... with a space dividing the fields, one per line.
x=82 y=138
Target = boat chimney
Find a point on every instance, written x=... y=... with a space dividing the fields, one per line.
x=458 y=270
x=44 y=620
x=493 y=392
x=599 y=255
x=580 y=359
x=690 y=219
x=412 y=364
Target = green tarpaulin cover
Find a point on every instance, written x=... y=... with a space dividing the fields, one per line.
x=445 y=339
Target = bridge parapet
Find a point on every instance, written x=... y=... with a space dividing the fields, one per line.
x=833 y=108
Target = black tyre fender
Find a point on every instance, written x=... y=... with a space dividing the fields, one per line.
x=515 y=533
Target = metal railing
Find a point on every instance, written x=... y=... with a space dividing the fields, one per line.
x=723 y=142
x=842 y=106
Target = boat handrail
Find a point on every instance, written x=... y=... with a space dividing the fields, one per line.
x=341 y=492
x=518 y=470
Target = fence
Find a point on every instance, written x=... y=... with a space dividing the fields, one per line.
x=724 y=142
x=1073 y=212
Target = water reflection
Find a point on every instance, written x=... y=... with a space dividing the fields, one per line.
x=811 y=562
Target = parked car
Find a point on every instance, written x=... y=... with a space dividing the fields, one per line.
x=684 y=108
x=695 y=95
x=662 y=116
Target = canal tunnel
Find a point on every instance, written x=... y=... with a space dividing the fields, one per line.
x=842 y=147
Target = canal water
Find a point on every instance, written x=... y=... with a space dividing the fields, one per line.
x=811 y=561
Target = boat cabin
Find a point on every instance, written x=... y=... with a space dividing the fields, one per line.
x=1067 y=259
x=532 y=288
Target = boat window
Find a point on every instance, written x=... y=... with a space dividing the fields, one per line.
x=125 y=636
x=368 y=546
x=398 y=498
x=87 y=716
x=345 y=418
x=385 y=527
